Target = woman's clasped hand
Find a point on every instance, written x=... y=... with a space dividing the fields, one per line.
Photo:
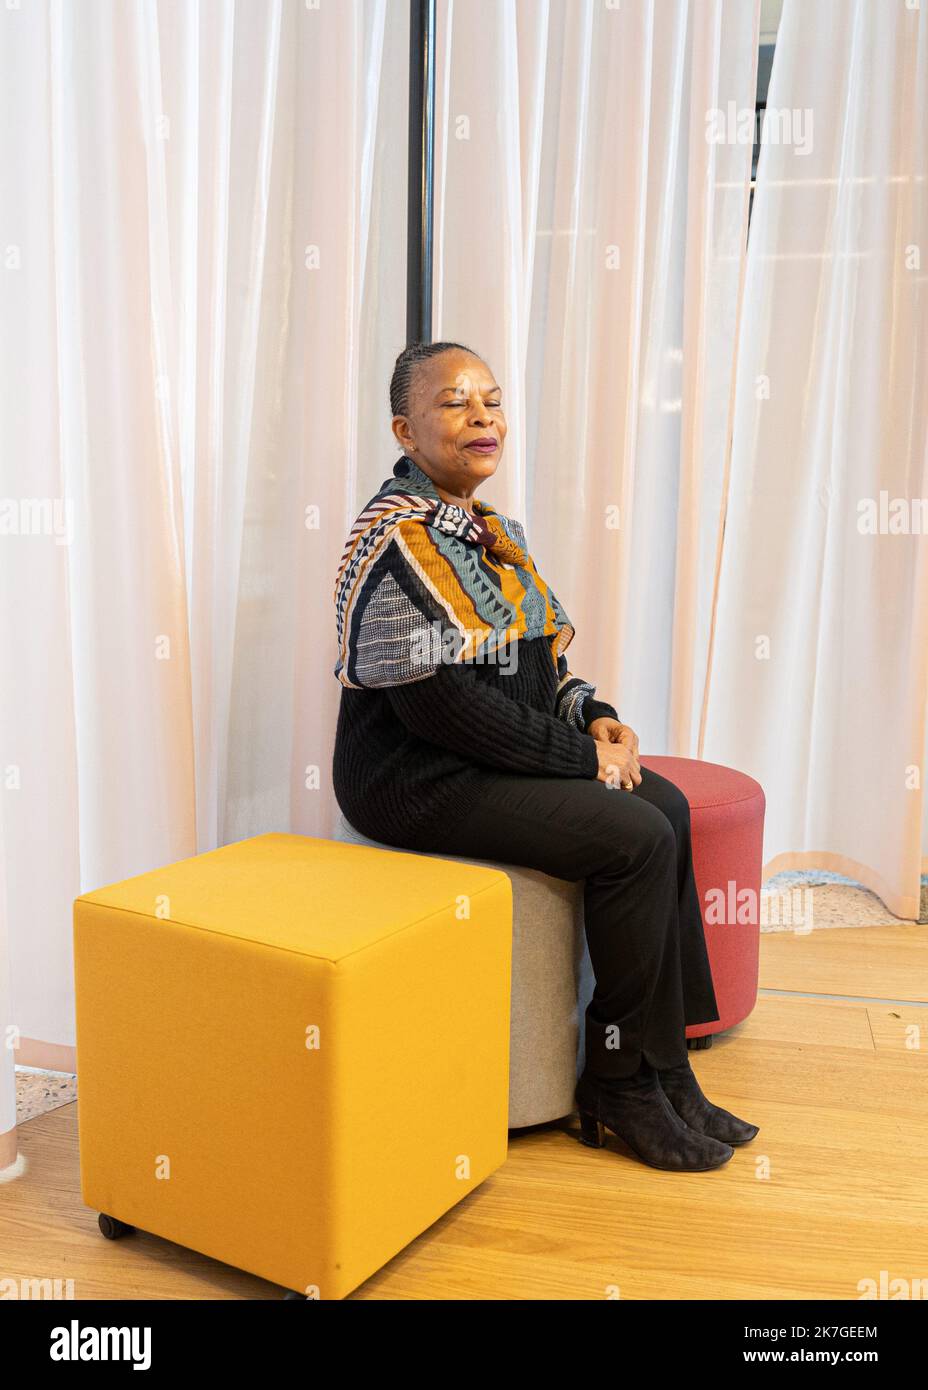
x=617 y=750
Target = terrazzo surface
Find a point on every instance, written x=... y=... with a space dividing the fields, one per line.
x=836 y=902
x=39 y=1091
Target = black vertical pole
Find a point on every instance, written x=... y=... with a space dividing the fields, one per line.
x=421 y=143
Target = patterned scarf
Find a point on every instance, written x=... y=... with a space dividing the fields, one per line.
x=421 y=583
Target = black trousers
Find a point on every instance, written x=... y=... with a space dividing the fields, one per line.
x=642 y=917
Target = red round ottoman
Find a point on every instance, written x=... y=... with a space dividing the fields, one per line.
x=727 y=819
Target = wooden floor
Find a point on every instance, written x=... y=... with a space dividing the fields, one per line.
x=831 y=1192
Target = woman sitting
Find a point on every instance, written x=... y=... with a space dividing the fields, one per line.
x=462 y=731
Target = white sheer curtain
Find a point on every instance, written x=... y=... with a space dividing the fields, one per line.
x=204 y=205
x=590 y=246
x=205 y=257
x=822 y=627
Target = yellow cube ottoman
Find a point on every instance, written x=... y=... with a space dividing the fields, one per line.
x=292 y=1053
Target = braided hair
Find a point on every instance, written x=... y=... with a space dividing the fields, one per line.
x=406 y=364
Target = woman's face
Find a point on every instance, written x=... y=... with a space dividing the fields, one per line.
x=454 y=403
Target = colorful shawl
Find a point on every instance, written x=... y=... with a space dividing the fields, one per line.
x=422 y=583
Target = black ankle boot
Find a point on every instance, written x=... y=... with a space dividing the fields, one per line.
x=636 y=1109
x=681 y=1088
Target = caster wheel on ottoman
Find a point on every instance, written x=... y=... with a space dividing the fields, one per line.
x=112 y=1228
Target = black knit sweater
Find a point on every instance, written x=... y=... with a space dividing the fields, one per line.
x=407 y=755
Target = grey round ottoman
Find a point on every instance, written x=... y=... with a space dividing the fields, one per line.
x=552 y=983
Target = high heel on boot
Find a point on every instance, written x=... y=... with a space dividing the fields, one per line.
x=592 y=1131
x=636 y=1110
